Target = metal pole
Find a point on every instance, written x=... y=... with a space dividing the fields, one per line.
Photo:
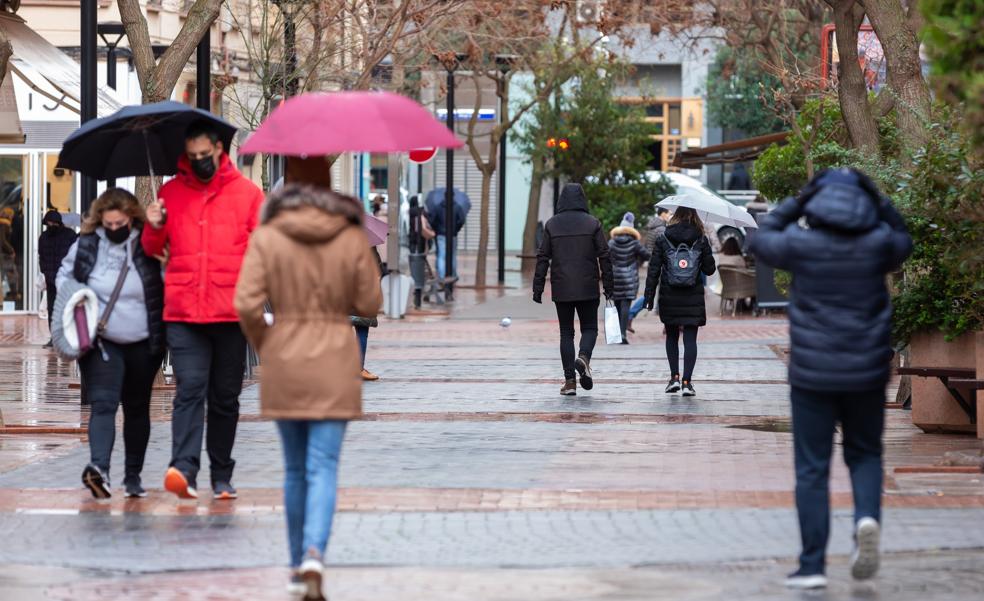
x=395 y=305
x=449 y=232
x=501 y=216
x=88 y=108
x=203 y=80
x=111 y=82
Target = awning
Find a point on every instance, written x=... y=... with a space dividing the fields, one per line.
x=34 y=57
x=11 y=131
x=730 y=152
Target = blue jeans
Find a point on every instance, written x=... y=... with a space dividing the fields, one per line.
x=815 y=416
x=442 y=253
x=362 y=333
x=637 y=307
x=311 y=450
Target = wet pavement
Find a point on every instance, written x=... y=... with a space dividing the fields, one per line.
x=472 y=479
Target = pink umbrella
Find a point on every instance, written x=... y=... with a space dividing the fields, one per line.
x=317 y=124
x=376 y=230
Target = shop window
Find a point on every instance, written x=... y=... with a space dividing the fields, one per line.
x=12 y=232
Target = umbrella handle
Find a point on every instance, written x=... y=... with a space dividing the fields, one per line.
x=150 y=166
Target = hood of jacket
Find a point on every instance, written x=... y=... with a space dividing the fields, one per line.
x=682 y=233
x=836 y=200
x=572 y=198
x=310 y=215
x=625 y=232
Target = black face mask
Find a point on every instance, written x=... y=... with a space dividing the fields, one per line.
x=118 y=236
x=204 y=168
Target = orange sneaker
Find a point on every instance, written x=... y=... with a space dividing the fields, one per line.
x=177 y=483
x=368 y=376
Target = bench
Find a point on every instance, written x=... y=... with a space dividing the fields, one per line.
x=957 y=381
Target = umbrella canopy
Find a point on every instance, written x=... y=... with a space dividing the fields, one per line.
x=435 y=200
x=711 y=209
x=144 y=139
x=317 y=124
x=376 y=229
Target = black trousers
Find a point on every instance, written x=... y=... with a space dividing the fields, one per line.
x=815 y=416
x=587 y=314
x=623 y=305
x=209 y=362
x=51 y=293
x=689 y=350
x=127 y=378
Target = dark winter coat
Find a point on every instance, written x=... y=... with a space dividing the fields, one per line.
x=574 y=250
x=53 y=245
x=840 y=313
x=679 y=306
x=655 y=228
x=149 y=270
x=627 y=253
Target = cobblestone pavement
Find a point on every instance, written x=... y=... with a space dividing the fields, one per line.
x=472 y=479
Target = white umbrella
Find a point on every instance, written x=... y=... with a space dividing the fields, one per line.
x=711 y=209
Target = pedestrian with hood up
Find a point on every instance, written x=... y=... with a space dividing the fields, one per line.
x=211 y=209
x=109 y=260
x=53 y=245
x=627 y=255
x=839 y=238
x=309 y=260
x=576 y=254
x=679 y=257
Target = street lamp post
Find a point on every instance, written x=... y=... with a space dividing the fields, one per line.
x=88 y=102
x=203 y=72
x=112 y=33
x=504 y=63
x=451 y=64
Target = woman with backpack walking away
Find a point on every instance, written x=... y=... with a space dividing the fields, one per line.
x=679 y=257
x=627 y=253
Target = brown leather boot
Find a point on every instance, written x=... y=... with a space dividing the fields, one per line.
x=569 y=389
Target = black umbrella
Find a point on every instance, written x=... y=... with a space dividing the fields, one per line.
x=144 y=139
x=435 y=200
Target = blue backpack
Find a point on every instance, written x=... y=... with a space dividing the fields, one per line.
x=681 y=263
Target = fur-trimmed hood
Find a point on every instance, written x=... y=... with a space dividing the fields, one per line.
x=626 y=231
x=309 y=214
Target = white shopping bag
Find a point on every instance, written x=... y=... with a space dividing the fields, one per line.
x=613 y=328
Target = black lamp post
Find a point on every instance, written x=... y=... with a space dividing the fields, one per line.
x=451 y=64
x=112 y=33
x=88 y=102
x=504 y=62
x=203 y=71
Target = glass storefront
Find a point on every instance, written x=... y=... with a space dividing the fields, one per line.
x=30 y=185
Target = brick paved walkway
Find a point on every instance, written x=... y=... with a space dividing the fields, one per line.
x=472 y=479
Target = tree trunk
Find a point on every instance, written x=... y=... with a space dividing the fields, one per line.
x=900 y=42
x=533 y=207
x=851 y=89
x=483 y=229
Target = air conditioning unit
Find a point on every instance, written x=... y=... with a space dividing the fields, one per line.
x=589 y=11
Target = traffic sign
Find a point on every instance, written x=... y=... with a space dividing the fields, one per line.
x=422 y=155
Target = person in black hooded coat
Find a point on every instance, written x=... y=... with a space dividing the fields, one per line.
x=681 y=309
x=53 y=244
x=839 y=238
x=574 y=250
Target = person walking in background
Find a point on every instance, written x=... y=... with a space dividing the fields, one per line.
x=840 y=320
x=419 y=236
x=211 y=210
x=739 y=179
x=679 y=257
x=131 y=347
x=362 y=324
x=8 y=256
x=311 y=261
x=627 y=254
x=574 y=250
x=438 y=223
x=654 y=229
x=53 y=245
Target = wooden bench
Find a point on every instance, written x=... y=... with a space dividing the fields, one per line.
x=958 y=382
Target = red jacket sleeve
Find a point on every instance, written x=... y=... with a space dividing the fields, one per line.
x=154 y=240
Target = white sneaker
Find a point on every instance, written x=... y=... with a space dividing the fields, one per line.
x=296 y=586
x=311 y=572
x=865 y=559
x=806 y=581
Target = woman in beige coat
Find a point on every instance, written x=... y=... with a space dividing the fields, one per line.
x=311 y=261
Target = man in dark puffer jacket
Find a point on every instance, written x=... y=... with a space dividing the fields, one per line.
x=839 y=238
x=574 y=250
